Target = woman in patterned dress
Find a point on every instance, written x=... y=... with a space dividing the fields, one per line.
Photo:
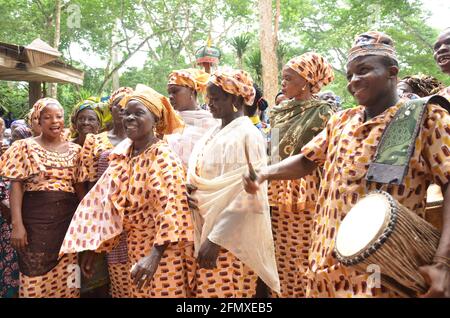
x=294 y=123
x=94 y=162
x=44 y=195
x=33 y=123
x=233 y=238
x=183 y=88
x=85 y=119
x=143 y=192
x=9 y=268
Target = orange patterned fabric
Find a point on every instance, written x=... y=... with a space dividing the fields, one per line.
x=231 y=279
x=61 y=282
x=313 y=68
x=192 y=77
x=345 y=149
x=235 y=82
x=293 y=203
x=372 y=43
x=118 y=93
x=146 y=196
x=119 y=275
x=66 y=134
x=93 y=147
x=168 y=121
x=175 y=276
x=245 y=253
x=41 y=169
x=35 y=112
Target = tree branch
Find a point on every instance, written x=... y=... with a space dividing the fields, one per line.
x=124 y=28
x=416 y=33
x=125 y=59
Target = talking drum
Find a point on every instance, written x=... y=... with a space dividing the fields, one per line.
x=380 y=231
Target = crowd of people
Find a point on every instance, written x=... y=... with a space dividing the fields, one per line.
x=148 y=196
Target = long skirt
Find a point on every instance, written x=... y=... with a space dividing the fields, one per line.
x=175 y=275
x=119 y=275
x=46 y=216
x=119 y=269
x=292 y=221
x=62 y=281
x=231 y=279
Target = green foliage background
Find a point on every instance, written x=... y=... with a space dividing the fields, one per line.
x=172 y=30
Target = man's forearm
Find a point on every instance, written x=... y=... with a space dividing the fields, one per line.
x=291 y=168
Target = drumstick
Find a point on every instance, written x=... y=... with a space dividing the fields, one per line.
x=251 y=171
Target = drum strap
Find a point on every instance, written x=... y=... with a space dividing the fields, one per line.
x=397 y=143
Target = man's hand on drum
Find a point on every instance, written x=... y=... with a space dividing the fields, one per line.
x=437 y=276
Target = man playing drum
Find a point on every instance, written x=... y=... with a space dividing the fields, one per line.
x=345 y=148
x=441 y=55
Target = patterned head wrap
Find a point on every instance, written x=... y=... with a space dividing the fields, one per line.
x=167 y=119
x=423 y=85
x=35 y=112
x=20 y=129
x=191 y=77
x=235 y=82
x=313 y=68
x=373 y=43
x=121 y=92
x=92 y=103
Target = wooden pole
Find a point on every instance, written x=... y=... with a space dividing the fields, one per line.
x=34 y=92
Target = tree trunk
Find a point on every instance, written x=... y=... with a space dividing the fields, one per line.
x=276 y=23
x=121 y=63
x=240 y=64
x=34 y=93
x=53 y=86
x=268 y=51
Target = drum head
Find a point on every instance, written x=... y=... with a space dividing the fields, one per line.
x=434 y=196
x=363 y=225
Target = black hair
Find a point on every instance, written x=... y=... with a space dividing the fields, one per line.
x=279 y=93
x=259 y=103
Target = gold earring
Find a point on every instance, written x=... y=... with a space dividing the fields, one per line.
x=235 y=109
x=304 y=88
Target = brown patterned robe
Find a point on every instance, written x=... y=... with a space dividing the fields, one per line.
x=345 y=149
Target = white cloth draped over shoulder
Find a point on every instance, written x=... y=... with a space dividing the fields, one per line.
x=197 y=123
x=229 y=216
